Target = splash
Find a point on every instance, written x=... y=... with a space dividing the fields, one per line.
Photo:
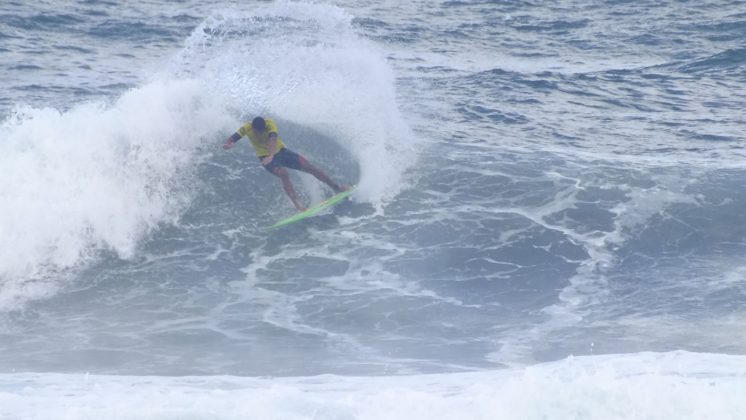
x=305 y=63
x=94 y=177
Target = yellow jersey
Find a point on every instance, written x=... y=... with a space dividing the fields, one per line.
x=261 y=141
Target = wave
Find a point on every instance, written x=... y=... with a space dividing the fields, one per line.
x=95 y=178
x=100 y=176
x=728 y=60
x=676 y=385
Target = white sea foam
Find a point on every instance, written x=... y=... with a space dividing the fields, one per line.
x=677 y=385
x=94 y=177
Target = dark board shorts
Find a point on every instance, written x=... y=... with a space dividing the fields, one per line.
x=284 y=157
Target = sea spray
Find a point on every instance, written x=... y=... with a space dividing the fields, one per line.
x=306 y=64
x=95 y=177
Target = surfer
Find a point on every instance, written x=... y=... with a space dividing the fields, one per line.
x=275 y=157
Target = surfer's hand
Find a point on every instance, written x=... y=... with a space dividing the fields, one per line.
x=228 y=145
x=266 y=160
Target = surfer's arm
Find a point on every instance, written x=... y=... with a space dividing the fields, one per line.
x=232 y=140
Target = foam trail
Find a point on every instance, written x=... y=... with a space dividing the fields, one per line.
x=588 y=288
x=94 y=177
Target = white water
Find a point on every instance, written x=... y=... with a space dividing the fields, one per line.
x=677 y=385
x=95 y=177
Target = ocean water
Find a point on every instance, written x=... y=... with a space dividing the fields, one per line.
x=548 y=222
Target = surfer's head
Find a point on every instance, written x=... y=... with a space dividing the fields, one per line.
x=258 y=124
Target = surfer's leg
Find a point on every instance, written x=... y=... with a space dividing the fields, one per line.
x=306 y=166
x=282 y=173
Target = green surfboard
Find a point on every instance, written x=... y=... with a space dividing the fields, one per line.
x=313 y=210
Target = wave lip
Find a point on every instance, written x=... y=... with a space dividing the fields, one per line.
x=728 y=60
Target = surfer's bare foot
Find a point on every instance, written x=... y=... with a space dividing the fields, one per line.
x=341 y=188
x=301 y=208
